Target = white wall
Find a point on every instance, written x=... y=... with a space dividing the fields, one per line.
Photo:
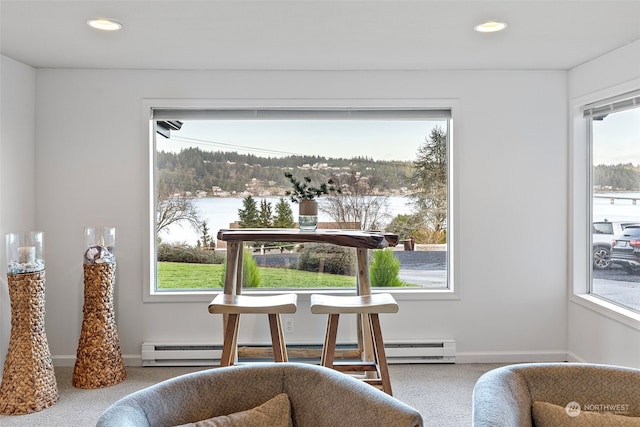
x=90 y=168
x=596 y=335
x=511 y=170
x=17 y=170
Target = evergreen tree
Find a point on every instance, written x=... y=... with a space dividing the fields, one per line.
x=430 y=180
x=283 y=217
x=250 y=273
x=406 y=226
x=264 y=217
x=206 y=241
x=385 y=269
x=249 y=216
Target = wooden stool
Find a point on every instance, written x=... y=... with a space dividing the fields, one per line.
x=234 y=305
x=371 y=306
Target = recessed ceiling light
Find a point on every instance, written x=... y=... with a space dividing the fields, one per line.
x=104 y=24
x=490 y=27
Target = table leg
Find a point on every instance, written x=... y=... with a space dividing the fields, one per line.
x=364 y=284
x=365 y=341
x=232 y=285
x=239 y=268
x=233 y=273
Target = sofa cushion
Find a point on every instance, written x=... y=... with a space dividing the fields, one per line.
x=275 y=412
x=550 y=415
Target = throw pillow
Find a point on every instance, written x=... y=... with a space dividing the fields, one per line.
x=274 y=413
x=550 y=415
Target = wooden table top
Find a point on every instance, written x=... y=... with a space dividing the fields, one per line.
x=351 y=238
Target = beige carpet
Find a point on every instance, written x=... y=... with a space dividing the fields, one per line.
x=442 y=394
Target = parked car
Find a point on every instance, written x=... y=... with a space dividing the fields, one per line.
x=625 y=250
x=603 y=233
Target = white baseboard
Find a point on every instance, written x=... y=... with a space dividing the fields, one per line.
x=511 y=356
x=461 y=357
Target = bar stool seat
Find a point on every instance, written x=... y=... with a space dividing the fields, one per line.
x=234 y=305
x=369 y=306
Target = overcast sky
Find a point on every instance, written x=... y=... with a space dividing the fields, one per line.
x=616 y=139
x=382 y=140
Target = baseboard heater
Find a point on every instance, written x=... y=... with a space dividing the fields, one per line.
x=208 y=354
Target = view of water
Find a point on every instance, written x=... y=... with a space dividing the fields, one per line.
x=622 y=209
x=220 y=211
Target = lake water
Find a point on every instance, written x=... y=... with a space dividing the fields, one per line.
x=221 y=211
x=622 y=208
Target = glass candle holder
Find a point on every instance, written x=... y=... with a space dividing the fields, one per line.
x=308 y=215
x=99 y=245
x=25 y=252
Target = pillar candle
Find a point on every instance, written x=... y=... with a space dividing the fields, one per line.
x=26 y=254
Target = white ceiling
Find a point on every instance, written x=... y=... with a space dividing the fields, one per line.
x=316 y=34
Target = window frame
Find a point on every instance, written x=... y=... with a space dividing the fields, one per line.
x=580 y=209
x=148 y=106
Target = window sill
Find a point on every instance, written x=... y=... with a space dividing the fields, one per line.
x=303 y=294
x=608 y=309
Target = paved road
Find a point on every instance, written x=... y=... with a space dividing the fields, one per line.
x=429 y=270
x=422 y=260
x=617 y=285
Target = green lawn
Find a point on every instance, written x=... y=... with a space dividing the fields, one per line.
x=175 y=275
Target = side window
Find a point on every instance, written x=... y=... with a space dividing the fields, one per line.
x=613 y=128
x=219 y=169
x=602 y=228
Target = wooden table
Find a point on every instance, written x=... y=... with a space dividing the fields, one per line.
x=362 y=241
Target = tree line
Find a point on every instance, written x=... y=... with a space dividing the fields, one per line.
x=620 y=177
x=195 y=170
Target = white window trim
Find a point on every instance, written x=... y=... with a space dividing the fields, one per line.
x=453 y=293
x=579 y=256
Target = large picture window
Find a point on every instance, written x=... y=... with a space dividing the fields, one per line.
x=215 y=169
x=614 y=136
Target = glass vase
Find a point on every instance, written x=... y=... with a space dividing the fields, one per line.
x=308 y=215
x=100 y=245
x=25 y=252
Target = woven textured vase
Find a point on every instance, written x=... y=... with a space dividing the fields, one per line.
x=99 y=361
x=28 y=380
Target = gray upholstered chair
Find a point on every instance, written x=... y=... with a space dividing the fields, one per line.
x=319 y=397
x=504 y=396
